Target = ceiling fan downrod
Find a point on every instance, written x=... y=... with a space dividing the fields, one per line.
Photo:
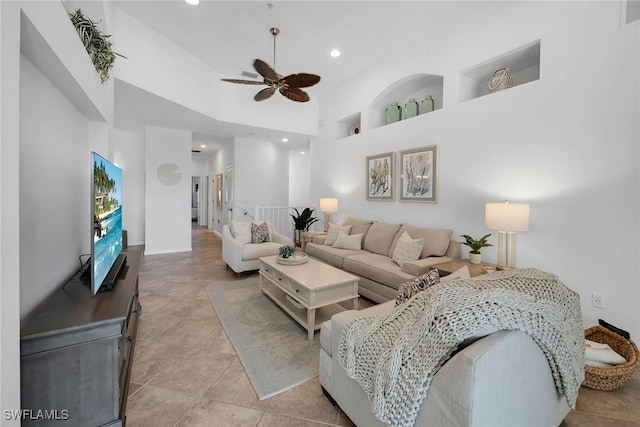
x=274 y=32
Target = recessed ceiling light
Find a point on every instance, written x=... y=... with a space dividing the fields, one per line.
x=193 y=2
x=335 y=53
x=285 y=139
x=203 y=146
x=302 y=152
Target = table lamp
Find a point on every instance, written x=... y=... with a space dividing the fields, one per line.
x=328 y=206
x=506 y=218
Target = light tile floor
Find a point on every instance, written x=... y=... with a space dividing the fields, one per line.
x=185 y=371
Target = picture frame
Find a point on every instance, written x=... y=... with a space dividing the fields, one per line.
x=380 y=174
x=419 y=169
x=218 y=191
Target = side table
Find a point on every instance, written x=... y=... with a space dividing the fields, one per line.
x=447 y=268
x=307 y=236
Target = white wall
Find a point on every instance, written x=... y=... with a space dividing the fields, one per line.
x=129 y=155
x=567 y=144
x=300 y=179
x=55 y=183
x=167 y=208
x=154 y=61
x=261 y=173
x=9 y=209
x=40 y=32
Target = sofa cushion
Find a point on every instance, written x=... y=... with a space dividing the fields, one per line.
x=378 y=268
x=407 y=249
x=358 y=226
x=241 y=231
x=412 y=287
x=332 y=233
x=251 y=251
x=328 y=254
x=380 y=237
x=348 y=241
x=436 y=240
x=259 y=232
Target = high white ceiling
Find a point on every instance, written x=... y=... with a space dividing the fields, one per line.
x=229 y=35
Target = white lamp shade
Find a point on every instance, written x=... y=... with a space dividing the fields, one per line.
x=507 y=216
x=328 y=205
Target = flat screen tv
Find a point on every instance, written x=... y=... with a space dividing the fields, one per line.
x=106 y=242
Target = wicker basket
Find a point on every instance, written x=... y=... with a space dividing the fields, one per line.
x=614 y=377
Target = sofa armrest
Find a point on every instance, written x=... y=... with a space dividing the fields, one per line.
x=338 y=321
x=424 y=265
x=454 y=250
x=319 y=239
x=280 y=238
x=231 y=247
x=480 y=380
x=229 y=238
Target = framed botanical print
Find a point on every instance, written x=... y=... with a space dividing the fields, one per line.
x=380 y=176
x=419 y=174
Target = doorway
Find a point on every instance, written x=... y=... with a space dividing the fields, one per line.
x=195 y=187
x=227 y=203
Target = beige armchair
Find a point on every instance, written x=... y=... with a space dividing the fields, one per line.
x=242 y=255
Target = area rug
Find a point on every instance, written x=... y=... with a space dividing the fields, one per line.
x=272 y=347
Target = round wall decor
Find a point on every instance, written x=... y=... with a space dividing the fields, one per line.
x=169 y=174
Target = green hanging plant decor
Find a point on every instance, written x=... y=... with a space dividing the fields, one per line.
x=97 y=44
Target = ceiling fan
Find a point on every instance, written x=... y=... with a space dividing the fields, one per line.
x=288 y=86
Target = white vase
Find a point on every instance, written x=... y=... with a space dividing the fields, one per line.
x=475 y=258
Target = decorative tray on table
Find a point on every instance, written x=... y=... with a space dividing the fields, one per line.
x=295 y=259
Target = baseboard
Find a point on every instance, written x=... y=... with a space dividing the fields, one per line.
x=167 y=251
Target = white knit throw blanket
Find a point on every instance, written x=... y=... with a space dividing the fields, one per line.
x=395 y=356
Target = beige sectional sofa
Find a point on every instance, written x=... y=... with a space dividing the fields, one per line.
x=379 y=275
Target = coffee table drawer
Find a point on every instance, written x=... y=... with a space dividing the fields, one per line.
x=301 y=294
x=293 y=288
x=267 y=271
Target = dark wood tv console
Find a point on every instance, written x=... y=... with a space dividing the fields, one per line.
x=76 y=354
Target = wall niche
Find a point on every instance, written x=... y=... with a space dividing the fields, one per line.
x=416 y=86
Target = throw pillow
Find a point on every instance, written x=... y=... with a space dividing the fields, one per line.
x=241 y=230
x=348 y=241
x=332 y=233
x=419 y=284
x=259 y=232
x=461 y=273
x=407 y=249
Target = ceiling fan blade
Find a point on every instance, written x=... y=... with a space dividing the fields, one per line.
x=301 y=80
x=264 y=94
x=244 y=82
x=265 y=71
x=294 y=94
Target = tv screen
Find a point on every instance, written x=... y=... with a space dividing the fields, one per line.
x=106 y=243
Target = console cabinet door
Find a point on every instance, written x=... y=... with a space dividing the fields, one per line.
x=81 y=379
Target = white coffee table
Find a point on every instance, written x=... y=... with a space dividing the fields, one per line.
x=315 y=288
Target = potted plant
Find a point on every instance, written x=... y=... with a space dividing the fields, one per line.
x=302 y=221
x=96 y=43
x=474 y=256
x=286 y=251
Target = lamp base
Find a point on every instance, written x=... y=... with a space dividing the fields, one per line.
x=506 y=250
x=327 y=220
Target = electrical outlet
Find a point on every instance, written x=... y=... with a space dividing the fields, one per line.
x=597 y=300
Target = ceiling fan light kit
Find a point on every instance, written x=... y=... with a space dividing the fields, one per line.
x=288 y=86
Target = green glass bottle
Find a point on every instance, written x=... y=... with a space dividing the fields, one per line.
x=411 y=108
x=394 y=113
x=427 y=104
